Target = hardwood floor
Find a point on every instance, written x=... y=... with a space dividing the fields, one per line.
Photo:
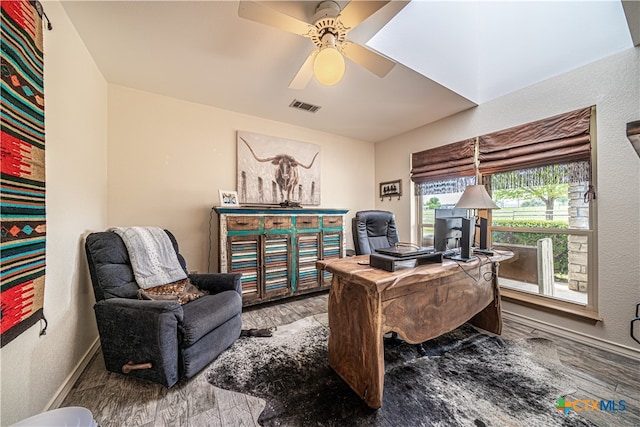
x=116 y=400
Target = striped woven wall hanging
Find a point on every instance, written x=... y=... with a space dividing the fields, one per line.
x=22 y=181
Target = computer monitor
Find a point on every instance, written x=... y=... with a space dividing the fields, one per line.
x=454 y=230
x=447 y=228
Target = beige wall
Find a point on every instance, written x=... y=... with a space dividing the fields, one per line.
x=33 y=367
x=168 y=158
x=612 y=85
x=165 y=160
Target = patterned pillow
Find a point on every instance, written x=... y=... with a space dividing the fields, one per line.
x=181 y=291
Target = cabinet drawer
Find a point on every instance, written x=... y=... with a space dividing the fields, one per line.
x=332 y=221
x=307 y=221
x=277 y=222
x=243 y=223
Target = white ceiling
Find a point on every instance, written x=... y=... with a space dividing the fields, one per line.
x=488 y=49
x=201 y=51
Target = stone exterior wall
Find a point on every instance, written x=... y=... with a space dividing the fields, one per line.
x=578 y=218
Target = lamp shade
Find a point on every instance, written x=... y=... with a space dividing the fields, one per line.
x=476 y=197
x=329 y=66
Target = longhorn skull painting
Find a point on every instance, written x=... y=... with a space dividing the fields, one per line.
x=274 y=170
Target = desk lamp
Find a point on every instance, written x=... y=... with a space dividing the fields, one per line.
x=476 y=197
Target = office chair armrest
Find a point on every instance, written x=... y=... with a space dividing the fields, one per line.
x=217 y=282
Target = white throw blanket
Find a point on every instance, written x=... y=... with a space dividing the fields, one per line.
x=152 y=256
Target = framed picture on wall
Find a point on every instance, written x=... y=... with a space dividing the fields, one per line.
x=391 y=189
x=273 y=170
x=228 y=198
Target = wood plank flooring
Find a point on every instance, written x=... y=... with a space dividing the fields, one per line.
x=116 y=400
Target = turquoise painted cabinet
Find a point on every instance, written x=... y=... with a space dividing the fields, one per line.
x=276 y=249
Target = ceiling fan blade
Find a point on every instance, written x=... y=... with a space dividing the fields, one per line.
x=357 y=11
x=305 y=73
x=257 y=12
x=372 y=61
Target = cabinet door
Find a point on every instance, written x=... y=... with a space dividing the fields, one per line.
x=331 y=249
x=277 y=263
x=244 y=256
x=308 y=246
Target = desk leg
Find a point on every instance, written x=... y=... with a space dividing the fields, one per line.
x=490 y=318
x=356 y=350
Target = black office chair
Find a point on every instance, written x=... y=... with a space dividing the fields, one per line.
x=373 y=230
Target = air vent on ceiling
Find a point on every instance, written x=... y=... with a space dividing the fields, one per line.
x=304 y=106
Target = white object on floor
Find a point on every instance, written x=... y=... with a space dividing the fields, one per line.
x=72 y=416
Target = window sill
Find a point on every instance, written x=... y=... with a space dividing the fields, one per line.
x=550 y=305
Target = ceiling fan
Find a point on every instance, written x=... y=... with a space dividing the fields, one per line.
x=329 y=34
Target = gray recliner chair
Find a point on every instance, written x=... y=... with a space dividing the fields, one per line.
x=373 y=230
x=159 y=341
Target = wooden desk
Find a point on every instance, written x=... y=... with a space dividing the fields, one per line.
x=419 y=303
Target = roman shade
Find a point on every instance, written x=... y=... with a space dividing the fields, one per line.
x=554 y=150
x=564 y=138
x=447 y=161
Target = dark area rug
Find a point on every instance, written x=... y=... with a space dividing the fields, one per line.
x=466 y=378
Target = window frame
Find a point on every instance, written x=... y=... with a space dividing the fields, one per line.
x=586 y=312
x=589 y=311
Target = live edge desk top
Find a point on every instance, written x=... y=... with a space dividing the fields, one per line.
x=419 y=303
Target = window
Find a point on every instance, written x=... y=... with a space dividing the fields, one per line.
x=545 y=220
x=440 y=175
x=437 y=195
x=540 y=175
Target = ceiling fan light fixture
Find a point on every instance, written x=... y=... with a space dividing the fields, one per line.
x=329 y=66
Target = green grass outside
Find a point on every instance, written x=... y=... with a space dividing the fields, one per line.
x=526 y=213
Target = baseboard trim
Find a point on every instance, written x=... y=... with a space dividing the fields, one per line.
x=68 y=384
x=573 y=335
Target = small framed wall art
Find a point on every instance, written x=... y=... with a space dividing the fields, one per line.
x=228 y=198
x=391 y=189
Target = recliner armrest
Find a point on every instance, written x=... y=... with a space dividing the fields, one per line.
x=217 y=282
x=137 y=307
x=141 y=331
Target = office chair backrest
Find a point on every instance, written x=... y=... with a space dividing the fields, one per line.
x=373 y=230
